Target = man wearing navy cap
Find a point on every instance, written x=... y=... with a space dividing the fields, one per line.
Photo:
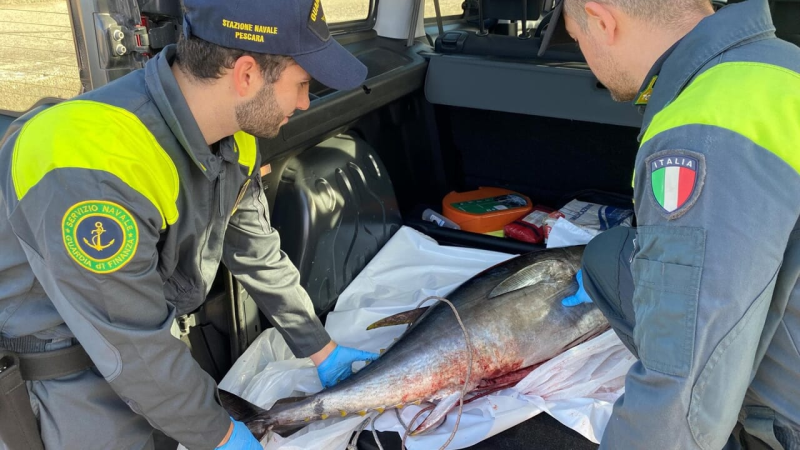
x=117 y=208
x=705 y=291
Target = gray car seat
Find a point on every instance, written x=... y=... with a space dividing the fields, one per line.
x=335 y=209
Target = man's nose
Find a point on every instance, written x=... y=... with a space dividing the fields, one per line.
x=303 y=102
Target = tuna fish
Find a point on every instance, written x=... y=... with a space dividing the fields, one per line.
x=513 y=315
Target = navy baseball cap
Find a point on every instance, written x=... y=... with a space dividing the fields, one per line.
x=556 y=32
x=295 y=28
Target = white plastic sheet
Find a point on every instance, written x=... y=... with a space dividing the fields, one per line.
x=577 y=222
x=578 y=387
x=565 y=233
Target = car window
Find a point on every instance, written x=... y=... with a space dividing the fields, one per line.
x=37 y=58
x=448 y=7
x=338 y=11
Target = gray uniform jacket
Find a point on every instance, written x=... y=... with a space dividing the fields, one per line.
x=716 y=258
x=114 y=216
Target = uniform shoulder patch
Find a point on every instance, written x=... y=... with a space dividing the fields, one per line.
x=676 y=178
x=101 y=236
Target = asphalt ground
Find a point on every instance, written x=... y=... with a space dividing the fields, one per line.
x=37 y=49
x=37 y=53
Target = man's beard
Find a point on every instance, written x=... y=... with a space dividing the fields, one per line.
x=622 y=96
x=261 y=116
x=621 y=85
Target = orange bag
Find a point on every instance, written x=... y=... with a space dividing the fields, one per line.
x=486 y=209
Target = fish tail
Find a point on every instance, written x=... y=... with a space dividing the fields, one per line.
x=258 y=420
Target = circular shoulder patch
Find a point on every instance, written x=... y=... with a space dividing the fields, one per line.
x=101 y=236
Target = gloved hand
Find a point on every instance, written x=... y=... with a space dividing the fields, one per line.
x=581 y=296
x=338 y=365
x=241 y=439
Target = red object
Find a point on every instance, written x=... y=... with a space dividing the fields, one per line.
x=552 y=215
x=530 y=228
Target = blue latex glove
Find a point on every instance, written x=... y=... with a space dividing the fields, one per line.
x=338 y=365
x=241 y=439
x=581 y=296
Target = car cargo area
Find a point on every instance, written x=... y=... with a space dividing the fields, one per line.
x=387 y=163
x=345 y=175
x=338 y=196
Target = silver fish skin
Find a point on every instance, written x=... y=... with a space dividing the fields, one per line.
x=515 y=320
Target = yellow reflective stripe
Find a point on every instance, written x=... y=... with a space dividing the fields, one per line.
x=95 y=136
x=759 y=101
x=247 y=148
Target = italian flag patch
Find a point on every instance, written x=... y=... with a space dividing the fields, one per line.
x=674 y=178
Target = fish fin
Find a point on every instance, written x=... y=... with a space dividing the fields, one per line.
x=437 y=416
x=238 y=407
x=399 y=318
x=257 y=419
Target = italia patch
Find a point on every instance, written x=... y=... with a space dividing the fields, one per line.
x=676 y=180
x=101 y=236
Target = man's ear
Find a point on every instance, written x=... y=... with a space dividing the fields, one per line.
x=603 y=21
x=247 y=78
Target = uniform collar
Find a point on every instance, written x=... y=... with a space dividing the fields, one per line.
x=728 y=27
x=172 y=104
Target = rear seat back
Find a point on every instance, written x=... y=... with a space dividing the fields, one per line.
x=335 y=209
x=502 y=44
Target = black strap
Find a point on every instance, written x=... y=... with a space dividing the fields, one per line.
x=18 y=428
x=53 y=364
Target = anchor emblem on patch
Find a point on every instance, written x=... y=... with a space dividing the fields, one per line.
x=97 y=234
x=101 y=236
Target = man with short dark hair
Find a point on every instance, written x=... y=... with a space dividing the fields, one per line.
x=117 y=208
x=705 y=291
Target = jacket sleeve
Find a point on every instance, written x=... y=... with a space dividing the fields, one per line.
x=253 y=255
x=91 y=241
x=715 y=211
